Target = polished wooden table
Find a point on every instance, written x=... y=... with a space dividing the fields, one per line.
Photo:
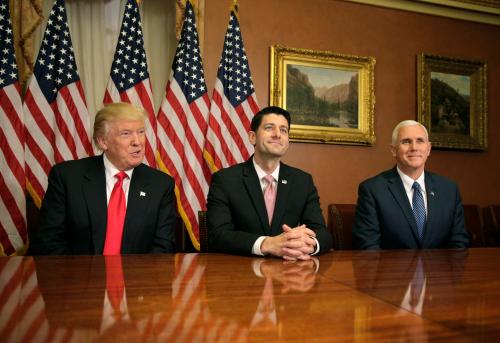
x=343 y=296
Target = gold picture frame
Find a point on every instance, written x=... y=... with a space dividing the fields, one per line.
x=452 y=101
x=330 y=96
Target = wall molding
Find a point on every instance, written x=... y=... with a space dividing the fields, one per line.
x=480 y=11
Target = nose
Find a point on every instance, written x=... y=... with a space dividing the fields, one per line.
x=276 y=132
x=135 y=140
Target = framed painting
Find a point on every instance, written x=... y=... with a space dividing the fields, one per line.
x=452 y=101
x=330 y=96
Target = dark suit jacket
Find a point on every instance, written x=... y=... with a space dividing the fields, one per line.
x=384 y=218
x=237 y=213
x=74 y=211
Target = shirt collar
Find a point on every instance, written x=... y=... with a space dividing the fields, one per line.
x=261 y=173
x=111 y=170
x=408 y=181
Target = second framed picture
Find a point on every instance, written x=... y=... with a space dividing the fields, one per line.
x=452 y=101
x=330 y=96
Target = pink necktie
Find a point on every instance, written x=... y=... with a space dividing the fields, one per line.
x=270 y=196
x=116 y=217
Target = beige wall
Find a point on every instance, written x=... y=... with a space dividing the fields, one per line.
x=394 y=38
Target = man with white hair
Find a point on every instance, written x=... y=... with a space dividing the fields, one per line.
x=406 y=207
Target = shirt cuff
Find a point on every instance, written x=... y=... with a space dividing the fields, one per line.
x=317 y=246
x=256 y=246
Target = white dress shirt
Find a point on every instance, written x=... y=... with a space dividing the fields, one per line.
x=111 y=171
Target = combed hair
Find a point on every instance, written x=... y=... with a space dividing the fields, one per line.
x=257 y=118
x=115 y=111
x=406 y=123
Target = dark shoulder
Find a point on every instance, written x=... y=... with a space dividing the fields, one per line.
x=77 y=166
x=439 y=180
x=380 y=179
x=296 y=172
x=152 y=174
x=233 y=171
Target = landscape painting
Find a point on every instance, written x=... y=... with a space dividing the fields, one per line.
x=322 y=96
x=330 y=96
x=452 y=101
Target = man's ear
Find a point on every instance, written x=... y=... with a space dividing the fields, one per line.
x=252 y=137
x=101 y=143
x=393 y=150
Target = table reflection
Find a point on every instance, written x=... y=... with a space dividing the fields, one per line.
x=410 y=281
x=396 y=296
x=113 y=298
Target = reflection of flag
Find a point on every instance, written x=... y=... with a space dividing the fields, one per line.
x=191 y=320
x=56 y=115
x=13 y=234
x=22 y=307
x=182 y=125
x=234 y=103
x=129 y=78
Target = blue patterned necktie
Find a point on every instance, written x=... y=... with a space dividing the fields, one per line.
x=418 y=209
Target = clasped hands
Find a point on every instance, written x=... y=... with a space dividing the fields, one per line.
x=294 y=276
x=293 y=244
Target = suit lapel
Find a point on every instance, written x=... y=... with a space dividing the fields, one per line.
x=430 y=193
x=284 y=183
x=252 y=185
x=398 y=191
x=94 y=190
x=136 y=206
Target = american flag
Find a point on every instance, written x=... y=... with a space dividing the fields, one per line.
x=182 y=125
x=56 y=115
x=12 y=178
x=234 y=103
x=129 y=77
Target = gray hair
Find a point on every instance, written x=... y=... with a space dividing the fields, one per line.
x=406 y=123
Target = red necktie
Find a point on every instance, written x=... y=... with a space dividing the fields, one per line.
x=115 y=283
x=116 y=217
x=270 y=196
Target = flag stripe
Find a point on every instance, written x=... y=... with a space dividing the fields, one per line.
x=10 y=109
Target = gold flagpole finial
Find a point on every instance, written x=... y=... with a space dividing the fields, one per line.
x=234 y=6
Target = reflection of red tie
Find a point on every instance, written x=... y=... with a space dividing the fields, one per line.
x=115 y=284
x=116 y=217
x=270 y=196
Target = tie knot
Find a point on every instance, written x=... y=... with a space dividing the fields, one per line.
x=269 y=179
x=416 y=186
x=120 y=176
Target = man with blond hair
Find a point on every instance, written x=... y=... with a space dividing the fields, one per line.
x=109 y=204
x=407 y=207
